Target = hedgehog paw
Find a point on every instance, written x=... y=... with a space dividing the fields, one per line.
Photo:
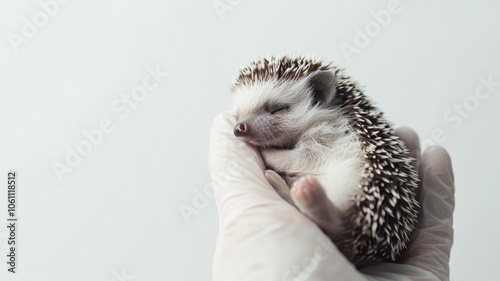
x=311 y=199
x=279 y=184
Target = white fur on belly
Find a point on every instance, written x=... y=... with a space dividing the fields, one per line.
x=341 y=181
x=342 y=171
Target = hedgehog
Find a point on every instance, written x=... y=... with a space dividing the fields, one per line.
x=308 y=118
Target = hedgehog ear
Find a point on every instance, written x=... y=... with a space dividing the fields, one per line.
x=323 y=85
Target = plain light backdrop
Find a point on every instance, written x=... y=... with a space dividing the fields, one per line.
x=64 y=66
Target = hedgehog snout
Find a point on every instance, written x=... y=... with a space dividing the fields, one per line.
x=241 y=130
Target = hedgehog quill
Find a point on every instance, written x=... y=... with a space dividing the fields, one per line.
x=309 y=119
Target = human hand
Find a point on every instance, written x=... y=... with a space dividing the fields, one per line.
x=262 y=237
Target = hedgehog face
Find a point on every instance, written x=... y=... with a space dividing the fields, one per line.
x=276 y=113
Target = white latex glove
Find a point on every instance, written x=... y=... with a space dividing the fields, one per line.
x=262 y=237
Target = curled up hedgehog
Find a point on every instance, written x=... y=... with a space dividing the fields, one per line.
x=307 y=118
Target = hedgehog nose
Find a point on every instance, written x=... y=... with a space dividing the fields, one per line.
x=240 y=130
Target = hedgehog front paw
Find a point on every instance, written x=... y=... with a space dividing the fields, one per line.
x=311 y=199
x=279 y=184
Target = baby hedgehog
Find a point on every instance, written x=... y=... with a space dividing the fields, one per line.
x=312 y=123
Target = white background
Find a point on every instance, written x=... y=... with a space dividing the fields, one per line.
x=118 y=211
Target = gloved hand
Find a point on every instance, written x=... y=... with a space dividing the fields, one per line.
x=262 y=237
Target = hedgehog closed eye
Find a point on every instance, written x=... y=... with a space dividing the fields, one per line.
x=278 y=109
